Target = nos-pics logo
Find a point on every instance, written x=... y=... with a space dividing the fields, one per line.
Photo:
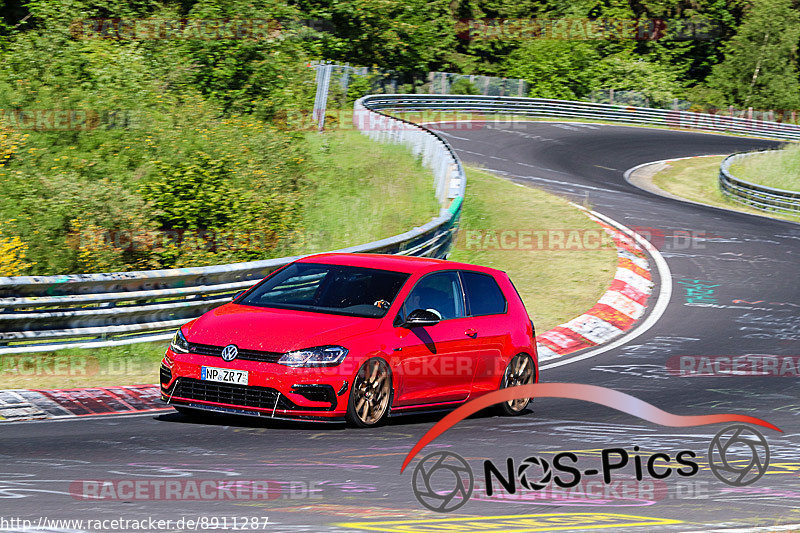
x=443 y=481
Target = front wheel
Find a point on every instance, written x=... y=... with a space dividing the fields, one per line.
x=370 y=395
x=520 y=371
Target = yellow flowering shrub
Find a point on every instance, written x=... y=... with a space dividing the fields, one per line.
x=12 y=256
x=10 y=144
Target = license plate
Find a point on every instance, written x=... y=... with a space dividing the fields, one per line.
x=224 y=375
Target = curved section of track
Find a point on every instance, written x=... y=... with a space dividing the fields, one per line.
x=735 y=292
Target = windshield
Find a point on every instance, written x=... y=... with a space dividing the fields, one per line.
x=337 y=289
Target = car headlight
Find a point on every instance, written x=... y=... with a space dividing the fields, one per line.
x=318 y=356
x=179 y=343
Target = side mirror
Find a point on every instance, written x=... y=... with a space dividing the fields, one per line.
x=421 y=318
x=238 y=294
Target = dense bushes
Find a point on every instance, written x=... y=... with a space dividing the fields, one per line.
x=160 y=156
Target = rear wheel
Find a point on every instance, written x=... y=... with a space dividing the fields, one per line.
x=371 y=395
x=520 y=371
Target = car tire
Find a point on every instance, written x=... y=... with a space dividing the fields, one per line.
x=520 y=371
x=370 y=395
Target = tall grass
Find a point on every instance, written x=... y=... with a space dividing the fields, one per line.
x=555 y=284
x=360 y=191
x=697 y=179
x=779 y=169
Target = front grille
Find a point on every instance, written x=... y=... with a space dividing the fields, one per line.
x=166 y=374
x=205 y=349
x=247 y=355
x=244 y=395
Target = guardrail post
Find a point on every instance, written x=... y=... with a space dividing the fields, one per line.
x=323 y=78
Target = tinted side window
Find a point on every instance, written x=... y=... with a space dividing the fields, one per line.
x=439 y=292
x=484 y=296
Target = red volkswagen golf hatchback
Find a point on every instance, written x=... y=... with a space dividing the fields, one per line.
x=357 y=337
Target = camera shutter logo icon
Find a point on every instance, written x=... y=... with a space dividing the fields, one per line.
x=442 y=482
x=738 y=455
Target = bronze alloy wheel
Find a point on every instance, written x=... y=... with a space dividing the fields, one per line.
x=371 y=394
x=520 y=371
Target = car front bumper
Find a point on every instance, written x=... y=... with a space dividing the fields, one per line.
x=273 y=390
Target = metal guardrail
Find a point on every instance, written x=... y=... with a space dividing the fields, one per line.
x=39 y=313
x=130 y=307
x=542 y=107
x=753 y=195
x=761 y=197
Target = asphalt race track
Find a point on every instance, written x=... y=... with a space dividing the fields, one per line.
x=735 y=293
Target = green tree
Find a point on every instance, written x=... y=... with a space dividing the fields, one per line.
x=261 y=75
x=463 y=86
x=473 y=54
x=554 y=69
x=410 y=36
x=630 y=72
x=12 y=15
x=693 y=36
x=760 y=65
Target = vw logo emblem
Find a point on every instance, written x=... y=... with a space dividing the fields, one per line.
x=230 y=352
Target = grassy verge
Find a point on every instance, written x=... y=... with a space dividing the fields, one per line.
x=697 y=180
x=361 y=191
x=121 y=365
x=556 y=285
x=778 y=169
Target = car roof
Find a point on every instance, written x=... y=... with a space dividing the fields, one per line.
x=398 y=263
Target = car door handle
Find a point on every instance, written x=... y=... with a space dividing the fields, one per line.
x=471 y=332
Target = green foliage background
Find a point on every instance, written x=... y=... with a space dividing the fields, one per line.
x=201 y=141
x=193 y=150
